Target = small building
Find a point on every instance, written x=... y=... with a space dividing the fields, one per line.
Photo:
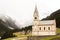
x=43 y=28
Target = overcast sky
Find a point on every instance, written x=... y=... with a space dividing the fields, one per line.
x=22 y=10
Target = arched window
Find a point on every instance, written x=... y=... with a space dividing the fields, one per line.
x=40 y=28
x=44 y=28
x=35 y=17
x=48 y=28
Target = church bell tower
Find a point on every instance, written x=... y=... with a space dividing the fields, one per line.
x=35 y=28
x=36 y=15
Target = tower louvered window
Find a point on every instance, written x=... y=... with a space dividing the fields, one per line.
x=35 y=17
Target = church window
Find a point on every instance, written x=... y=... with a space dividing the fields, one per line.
x=35 y=17
x=44 y=28
x=40 y=28
x=48 y=28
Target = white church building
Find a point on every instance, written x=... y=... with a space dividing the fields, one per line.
x=43 y=28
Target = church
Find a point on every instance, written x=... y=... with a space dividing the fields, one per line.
x=42 y=28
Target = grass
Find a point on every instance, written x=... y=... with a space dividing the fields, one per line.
x=49 y=38
x=19 y=35
x=58 y=30
x=16 y=38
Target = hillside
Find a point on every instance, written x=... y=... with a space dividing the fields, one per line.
x=7 y=26
x=55 y=15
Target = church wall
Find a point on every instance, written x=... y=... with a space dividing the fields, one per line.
x=53 y=27
x=35 y=28
x=36 y=23
x=37 y=31
x=43 y=33
x=34 y=33
x=47 y=33
x=52 y=30
x=46 y=28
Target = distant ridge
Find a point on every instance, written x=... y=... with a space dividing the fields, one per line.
x=55 y=15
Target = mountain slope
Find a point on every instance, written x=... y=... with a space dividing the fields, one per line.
x=55 y=15
x=7 y=26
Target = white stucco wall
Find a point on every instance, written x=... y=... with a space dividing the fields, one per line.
x=36 y=30
x=46 y=33
x=43 y=33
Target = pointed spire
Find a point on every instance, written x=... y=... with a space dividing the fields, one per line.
x=36 y=11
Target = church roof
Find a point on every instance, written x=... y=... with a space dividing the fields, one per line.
x=47 y=22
